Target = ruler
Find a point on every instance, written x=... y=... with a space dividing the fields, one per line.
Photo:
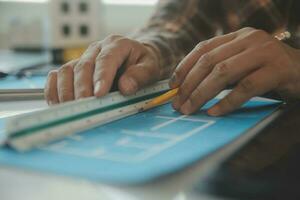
x=24 y=132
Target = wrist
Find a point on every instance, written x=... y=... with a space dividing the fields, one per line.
x=290 y=91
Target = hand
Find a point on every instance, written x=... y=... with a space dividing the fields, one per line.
x=94 y=72
x=251 y=59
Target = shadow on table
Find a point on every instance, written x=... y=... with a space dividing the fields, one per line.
x=266 y=168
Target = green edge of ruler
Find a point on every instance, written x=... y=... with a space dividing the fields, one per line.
x=82 y=115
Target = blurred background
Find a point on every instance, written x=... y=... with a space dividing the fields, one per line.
x=65 y=27
x=40 y=35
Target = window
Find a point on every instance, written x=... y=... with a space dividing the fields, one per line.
x=65 y=7
x=118 y=2
x=66 y=30
x=130 y=2
x=83 y=7
x=84 y=30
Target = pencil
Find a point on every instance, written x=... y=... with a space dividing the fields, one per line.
x=172 y=93
x=161 y=99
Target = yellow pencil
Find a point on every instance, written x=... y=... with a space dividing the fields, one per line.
x=161 y=99
x=172 y=93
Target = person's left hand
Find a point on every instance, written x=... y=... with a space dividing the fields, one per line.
x=251 y=59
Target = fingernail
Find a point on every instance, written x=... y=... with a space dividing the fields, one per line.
x=173 y=80
x=214 y=111
x=129 y=85
x=97 y=88
x=186 y=108
x=176 y=104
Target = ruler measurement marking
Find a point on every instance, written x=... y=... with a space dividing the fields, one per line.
x=62 y=111
x=34 y=129
x=80 y=115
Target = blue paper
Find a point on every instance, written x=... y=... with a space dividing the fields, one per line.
x=141 y=147
x=12 y=82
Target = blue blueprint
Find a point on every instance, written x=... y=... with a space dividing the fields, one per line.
x=141 y=147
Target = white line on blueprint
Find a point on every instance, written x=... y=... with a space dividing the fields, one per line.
x=148 y=134
x=166 y=145
x=146 y=150
x=167 y=123
x=185 y=118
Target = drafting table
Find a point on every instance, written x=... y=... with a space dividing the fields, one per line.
x=41 y=185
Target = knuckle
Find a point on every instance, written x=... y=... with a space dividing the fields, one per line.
x=52 y=74
x=112 y=37
x=67 y=68
x=178 y=73
x=259 y=33
x=123 y=41
x=94 y=44
x=186 y=88
x=105 y=56
x=83 y=65
x=205 y=45
x=206 y=60
x=246 y=29
x=183 y=91
x=256 y=33
x=194 y=98
x=202 y=45
x=246 y=86
x=221 y=69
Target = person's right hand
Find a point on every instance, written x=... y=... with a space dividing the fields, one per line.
x=94 y=72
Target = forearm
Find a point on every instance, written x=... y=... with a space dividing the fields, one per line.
x=175 y=28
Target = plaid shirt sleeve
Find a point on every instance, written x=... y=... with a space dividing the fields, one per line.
x=175 y=28
x=177 y=25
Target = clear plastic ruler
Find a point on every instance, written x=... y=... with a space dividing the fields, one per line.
x=34 y=129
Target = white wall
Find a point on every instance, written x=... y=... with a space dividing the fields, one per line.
x=125 y=18
x=120 y=19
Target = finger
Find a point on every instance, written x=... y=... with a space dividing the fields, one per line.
x=83 y=72
x=65 y=83
x=225 y=73
x=108 y=62
x=230 y=62
x=51 y=94
x=204 y=66
x=240 y=39
x=138 y=76
x=258 y=83
x=202 y=48
x=203 y=93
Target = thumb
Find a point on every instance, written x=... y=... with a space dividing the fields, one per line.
x=138 y=76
